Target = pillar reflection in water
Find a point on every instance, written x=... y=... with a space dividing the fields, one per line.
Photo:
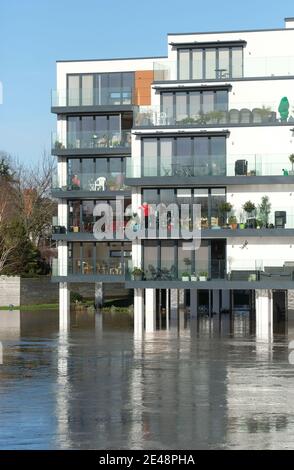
x=63 y=391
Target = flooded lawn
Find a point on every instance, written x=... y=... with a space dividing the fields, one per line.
x=203 y=386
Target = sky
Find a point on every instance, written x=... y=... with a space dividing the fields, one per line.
x=36 y=33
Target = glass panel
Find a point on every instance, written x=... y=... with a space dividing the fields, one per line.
x=237 y=62
x=101 y=123
x=87 y=90
x=197 y=64
x=87 y=216
x=195 y=106
x=74 y=216
x=184 y=260
x=73 y=128
x=128 y=84
x=73 y=84
x=221 y=100
x=167 y=260
x=150 y=252
x=201 y=258
x=210 y=63
x=184 y=64
x=150 y=196
x=150 y=157
x=201 y=197
x=201 y=162
x=167 y=106
x=181 y=106
x=223 y=70
x=166 y=151
x=114 y=89
x=183 y=161
x=101 y=166
x=218 y=196
x=218 y=155
x=208 y=101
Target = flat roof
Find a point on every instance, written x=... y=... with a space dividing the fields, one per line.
x=116 y=58
x=233 y=31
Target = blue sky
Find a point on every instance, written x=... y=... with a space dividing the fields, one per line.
x=36 y=33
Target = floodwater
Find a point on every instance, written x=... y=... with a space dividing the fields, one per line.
x=204 y=386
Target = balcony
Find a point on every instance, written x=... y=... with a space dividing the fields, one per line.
x=116 y=97
x=219 y=274
x=88 y=270
x=91 y=182
x=237 y=114
x=253 y=67
x=212 y=169
x=91 y=142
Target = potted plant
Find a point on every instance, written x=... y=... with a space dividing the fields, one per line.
x=233 y=222
x=185 y=276
x=291 y=158
x=224 y=208
x=203 y=276
x=264 y=210
x=249 y=207
x=194 y=277
x=264 y=113
x=137 y=273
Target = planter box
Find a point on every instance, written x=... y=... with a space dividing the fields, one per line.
x=202 y=278
x=185 y=278
x=194 y=278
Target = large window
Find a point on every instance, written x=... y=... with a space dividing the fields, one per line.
x=104 y=258
x=210 y=63
x=184 y=156
x=189 y=107
x=100 y=89
x=96 y=174
x=165 y=260
x=99 y=131
x=209 y=198
x=81 y=218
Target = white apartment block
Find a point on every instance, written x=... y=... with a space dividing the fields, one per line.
x=212 y=123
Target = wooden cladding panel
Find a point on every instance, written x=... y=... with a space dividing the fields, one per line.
x=143 y=81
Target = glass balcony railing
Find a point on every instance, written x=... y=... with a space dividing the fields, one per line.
x=98 y=182
x=212 y=165
x=88 y=266
x=237 y=113
x=103 y=96
x=92 y=140
x=219 y=269
x=252 y=67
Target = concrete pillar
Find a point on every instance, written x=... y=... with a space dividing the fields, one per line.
x=193 y=303
x=150 y=310
x=167 y=308
x=138 y=312
x=225 y=300
x=99 y=294
x=215 y=301
x=174 y=307
x=181 y=298
x=64 y=306
x=264 y=314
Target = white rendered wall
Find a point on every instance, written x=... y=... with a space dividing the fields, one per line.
x=259 y=252
x=100 y=66
x=260 y=44
x=280 y=196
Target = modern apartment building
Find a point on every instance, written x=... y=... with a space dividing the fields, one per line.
x=212 y=123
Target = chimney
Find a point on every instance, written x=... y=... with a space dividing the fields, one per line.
x=289 y=23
